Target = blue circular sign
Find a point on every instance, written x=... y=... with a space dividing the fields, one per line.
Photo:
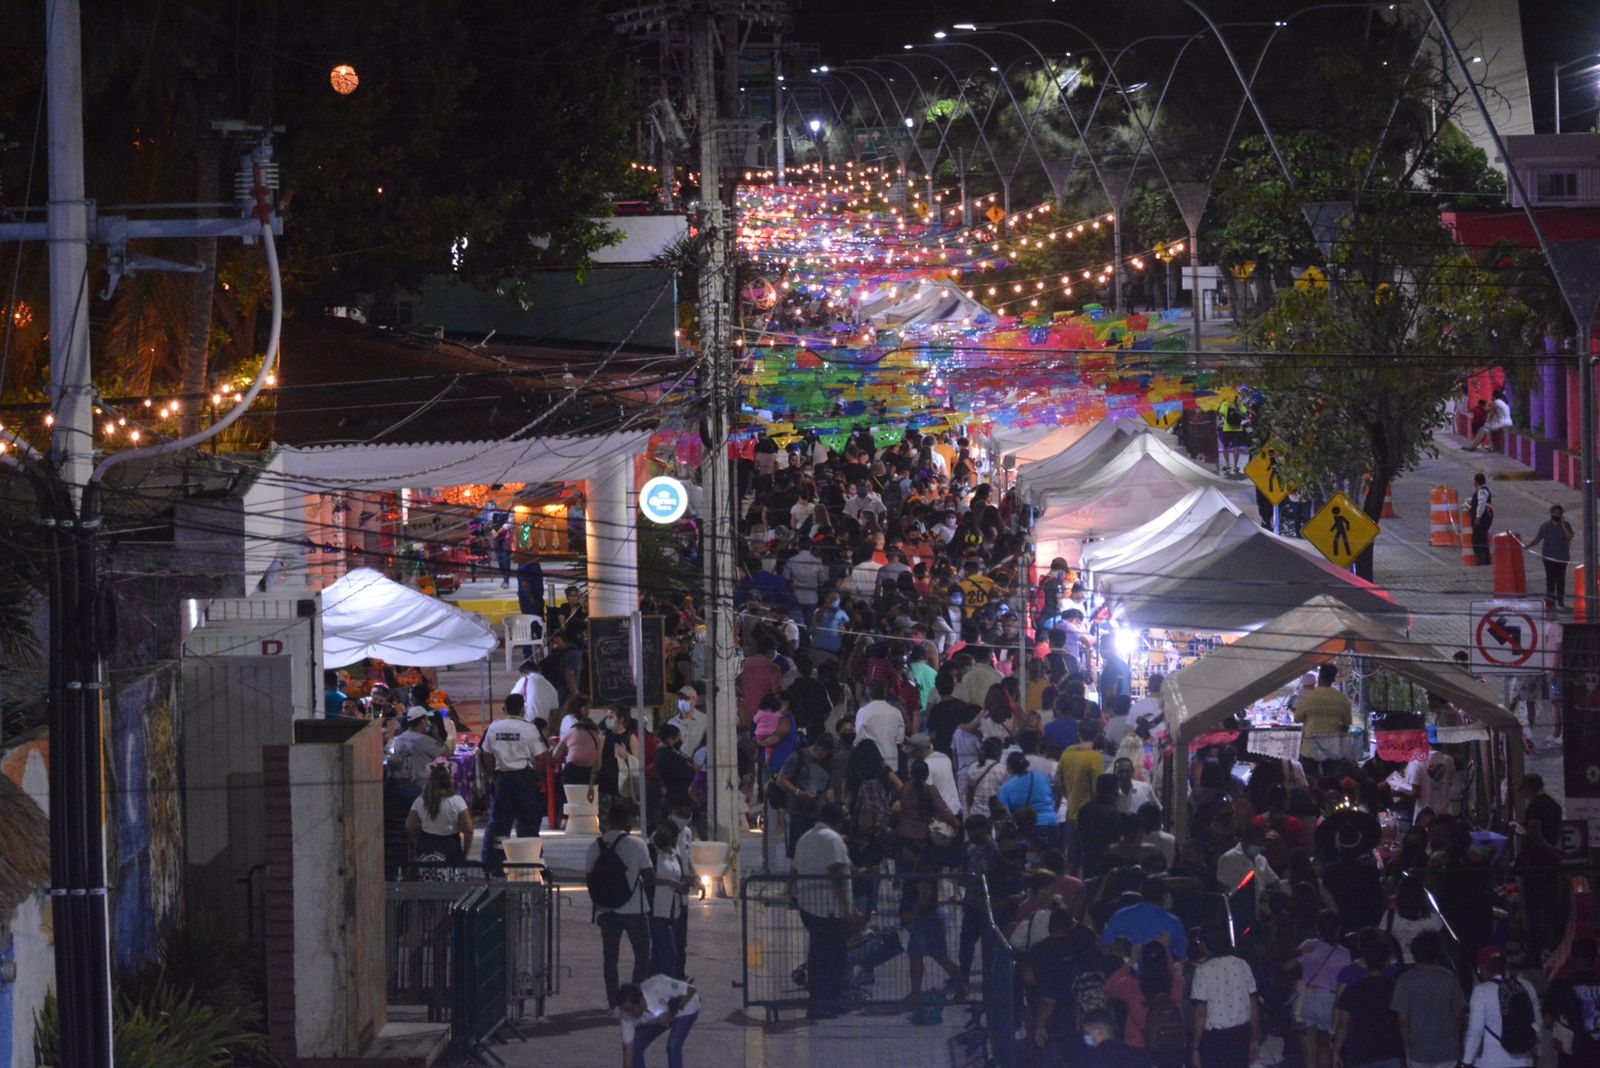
x=663 y=499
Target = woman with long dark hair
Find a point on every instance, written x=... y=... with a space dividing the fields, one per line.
x=1411 y=914
x=439 y=822
x=1157 y=981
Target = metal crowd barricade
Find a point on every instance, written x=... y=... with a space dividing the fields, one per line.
x=775 y=938
x=775 y=943
x=479 y=971
x=422 y=941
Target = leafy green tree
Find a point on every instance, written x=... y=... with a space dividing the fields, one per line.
x=1356 y=371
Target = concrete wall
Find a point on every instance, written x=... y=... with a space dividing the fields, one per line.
x=324 y=890
x=25 y=939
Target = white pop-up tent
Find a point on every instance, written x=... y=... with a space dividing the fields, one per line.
x=1158 y=560
x=1229 y=679
x=922 y=304
x=1140 y=483
x=1098 y=447
x=1246 y=583
x=1191 y=513
x=365 y=614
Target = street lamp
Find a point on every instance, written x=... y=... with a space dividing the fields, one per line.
x=1559 y=67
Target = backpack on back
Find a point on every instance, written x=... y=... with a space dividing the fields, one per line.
x=1165 y=1037
x=1517 y=1032
x=608 y=882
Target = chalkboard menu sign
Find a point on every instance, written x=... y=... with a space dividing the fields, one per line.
x=611 y=660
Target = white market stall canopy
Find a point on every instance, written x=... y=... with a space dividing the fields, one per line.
x=1026 y=445
x=1191 y=513
x=365 y=614
x=923 y=304
x=1229 y=679
x=1139 y=456
x=1096 y=448
x=1157 y=561
x=458 y=463
x=1246 y=583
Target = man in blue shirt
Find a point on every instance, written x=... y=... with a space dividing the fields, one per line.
x=1148 y=921
x=825 y=626
x=333 y=700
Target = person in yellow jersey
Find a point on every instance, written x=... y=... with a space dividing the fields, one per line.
x=1325 y=716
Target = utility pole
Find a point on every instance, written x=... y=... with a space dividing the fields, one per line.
x=706 y=20
x=777 y=107
x=66 y=483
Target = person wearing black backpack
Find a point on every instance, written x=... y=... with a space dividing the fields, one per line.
x=619 y=875
x=1502 y=1017
x=1572 y=1010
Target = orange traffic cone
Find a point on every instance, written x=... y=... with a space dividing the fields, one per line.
x=1468 y=557
x=1388 y=503
x=1444 y=503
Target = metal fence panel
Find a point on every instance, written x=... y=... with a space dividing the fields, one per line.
x=776 y=940
x=478 y=970
x=422 y=942
x=419 y=937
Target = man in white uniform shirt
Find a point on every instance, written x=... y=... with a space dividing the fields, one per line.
x=518 y=755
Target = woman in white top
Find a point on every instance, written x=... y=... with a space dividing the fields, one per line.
x=1411 y=915
x=439 y=822
x=666 y=900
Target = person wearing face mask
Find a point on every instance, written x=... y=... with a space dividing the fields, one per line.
x=674 y=769
x=826 y=623
x=689 y=721
x=616 y=741
x=1240 y=861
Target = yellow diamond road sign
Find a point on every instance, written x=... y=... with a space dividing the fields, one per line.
x=1341 y=531
x=996 y=213
x=1263 y=471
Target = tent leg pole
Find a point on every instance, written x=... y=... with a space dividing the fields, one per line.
x=483 y=695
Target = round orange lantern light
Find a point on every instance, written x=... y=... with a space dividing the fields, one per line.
x=343 y=79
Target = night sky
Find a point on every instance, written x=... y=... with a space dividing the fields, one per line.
x=1553 y=30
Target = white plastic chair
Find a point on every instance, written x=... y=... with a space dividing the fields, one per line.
x=519 y=630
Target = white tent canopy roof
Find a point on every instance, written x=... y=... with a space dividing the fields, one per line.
x=1129 y=453
x=365 y=614
x=1156 y=561
x=1140 y=483
x=1191 y=513
x=1246 y=583
x=458 y=463
x=922 y=304
x=1229 y=679
x=1097 y=447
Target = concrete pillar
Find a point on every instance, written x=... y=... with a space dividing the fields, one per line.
x=609 y=536
x=1552 y=409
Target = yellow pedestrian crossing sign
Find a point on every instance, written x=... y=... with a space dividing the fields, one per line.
x=1341 y=531
x=996 y=213
x=1263 y=471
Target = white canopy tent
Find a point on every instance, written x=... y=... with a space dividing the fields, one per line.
x=1247 y=582
x=365 y=614
x=1060 y=480
x=1139 y=483
x=1096 y=448
x=1031 y=444
x=1189 y=514
x=923 y=304
x=457 y=463
x=1229 y=679
x=1156 y=561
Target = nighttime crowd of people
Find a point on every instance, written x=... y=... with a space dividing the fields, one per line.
x=914 y=704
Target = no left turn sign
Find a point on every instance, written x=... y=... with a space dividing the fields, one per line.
x=1507 y=635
